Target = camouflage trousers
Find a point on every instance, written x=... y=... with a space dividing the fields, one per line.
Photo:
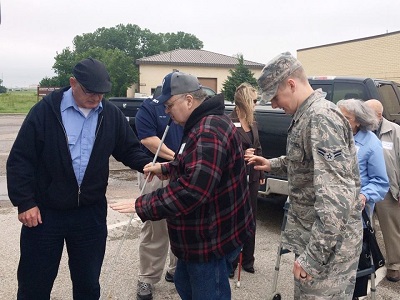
x=338 y=284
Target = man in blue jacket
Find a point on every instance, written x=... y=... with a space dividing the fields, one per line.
x=151 y=122
x=57 y=175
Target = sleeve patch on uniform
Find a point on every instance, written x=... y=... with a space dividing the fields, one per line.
x=329 y=155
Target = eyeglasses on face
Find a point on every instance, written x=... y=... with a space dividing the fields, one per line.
x=170 y=105
x=87 y=92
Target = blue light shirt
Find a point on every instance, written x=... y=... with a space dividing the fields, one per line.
x=81 y=132
x=374 y=180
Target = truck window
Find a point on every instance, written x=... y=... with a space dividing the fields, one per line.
x=389 y=100
x=348 y=90
x=327 y=88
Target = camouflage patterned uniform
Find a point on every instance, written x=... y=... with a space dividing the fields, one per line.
x=324 y=226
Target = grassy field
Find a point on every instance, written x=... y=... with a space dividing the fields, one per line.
x=17 y=101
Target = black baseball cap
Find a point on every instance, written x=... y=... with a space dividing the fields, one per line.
x=92 y=75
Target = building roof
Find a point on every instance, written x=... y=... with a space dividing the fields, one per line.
x=351 y=41
x=194 y=57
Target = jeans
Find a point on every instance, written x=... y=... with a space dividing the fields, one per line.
x=199 y=281
x=84 y=231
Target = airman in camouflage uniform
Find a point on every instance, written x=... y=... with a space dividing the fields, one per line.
x=324 y=227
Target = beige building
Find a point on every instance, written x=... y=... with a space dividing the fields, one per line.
x=212 y=69
x=375 y=56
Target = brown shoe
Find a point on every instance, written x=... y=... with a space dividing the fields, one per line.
x=393 y=275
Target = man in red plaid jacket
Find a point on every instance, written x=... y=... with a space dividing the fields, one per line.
x=206 y=203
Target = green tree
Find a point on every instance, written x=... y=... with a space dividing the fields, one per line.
x=134 y=41
x=240 y=74
x=119 y=65
x=51 y=81
x=63 y=65
x=181 y=40
x=3 y=89
x=118 y=47
x=125 y=38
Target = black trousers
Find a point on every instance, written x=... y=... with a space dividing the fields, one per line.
x=84 y=231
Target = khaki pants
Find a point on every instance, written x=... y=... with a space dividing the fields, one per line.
x=388 y=212
x=154 y=242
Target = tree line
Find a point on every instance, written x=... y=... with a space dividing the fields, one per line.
x=120 y=46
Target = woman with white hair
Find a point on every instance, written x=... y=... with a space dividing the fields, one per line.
x=374 y=180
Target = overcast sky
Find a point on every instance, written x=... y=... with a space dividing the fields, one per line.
x=33 y=31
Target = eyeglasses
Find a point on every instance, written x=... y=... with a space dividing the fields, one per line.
x=170 y=105
x=89 y=93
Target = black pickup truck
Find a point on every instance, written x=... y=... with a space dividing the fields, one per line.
x=273 y=123
x=130 y=106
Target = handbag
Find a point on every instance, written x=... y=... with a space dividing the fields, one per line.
x=370 y=248
x=370 y=240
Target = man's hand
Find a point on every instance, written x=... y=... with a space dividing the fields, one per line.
x=150 y=170
x=31 y=217
x=260 y=163
x=124 y=207
x=299 y=272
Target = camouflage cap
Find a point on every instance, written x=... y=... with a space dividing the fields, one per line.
x=274 y=72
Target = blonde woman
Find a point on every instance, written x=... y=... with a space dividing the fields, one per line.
x=242 y=116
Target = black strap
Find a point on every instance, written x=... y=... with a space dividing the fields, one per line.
x=367 y=221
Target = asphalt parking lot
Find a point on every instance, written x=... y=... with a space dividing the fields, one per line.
x=119 y=273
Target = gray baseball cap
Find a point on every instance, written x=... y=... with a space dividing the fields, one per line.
x=176 y=83
x=275 y=71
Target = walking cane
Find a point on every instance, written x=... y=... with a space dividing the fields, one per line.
x=240 y=268
x=116 y=255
